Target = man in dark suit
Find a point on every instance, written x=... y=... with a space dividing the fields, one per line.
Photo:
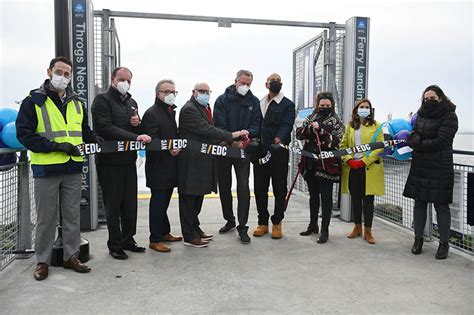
x=115 y=117
x=161 y=166
x=197 y=174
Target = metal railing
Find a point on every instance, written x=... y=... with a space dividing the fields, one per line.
x=396 y=208
x=17 y=208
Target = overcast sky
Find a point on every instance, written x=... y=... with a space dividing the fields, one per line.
x=412 y=44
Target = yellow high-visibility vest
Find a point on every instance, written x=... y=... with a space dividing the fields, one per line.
x=51 y=125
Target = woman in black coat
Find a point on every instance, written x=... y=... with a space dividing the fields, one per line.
x=431 y=176
x=324 y=125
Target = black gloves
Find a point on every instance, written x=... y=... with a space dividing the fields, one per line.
x=414 y=139
x=99 y=140
x=67 y=148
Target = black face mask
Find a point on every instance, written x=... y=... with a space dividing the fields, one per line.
x=430 y=104
x=275 y=86
x=324 y=111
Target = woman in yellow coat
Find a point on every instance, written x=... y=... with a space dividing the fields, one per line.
x=362 y=173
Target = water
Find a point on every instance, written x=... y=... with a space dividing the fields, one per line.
x=464 y=142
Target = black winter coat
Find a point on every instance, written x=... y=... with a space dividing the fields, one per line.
x=431 y=176
x=197 y=173
x=234 y=112
x=160 y=167
x=111 y=117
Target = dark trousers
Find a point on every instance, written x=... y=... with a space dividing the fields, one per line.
x=317 y=187
x=158 y=216
x=189 y=209
x=277 y=170
x=224 y=178
x=360 y=201
x=119 y=191
x=443 y=216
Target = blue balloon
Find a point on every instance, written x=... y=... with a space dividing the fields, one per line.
x=9 y=136
x=398 y=124
x=7 y=115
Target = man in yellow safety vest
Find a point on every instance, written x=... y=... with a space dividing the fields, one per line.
x=50 y=123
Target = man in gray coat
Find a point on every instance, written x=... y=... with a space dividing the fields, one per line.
x=197 y=174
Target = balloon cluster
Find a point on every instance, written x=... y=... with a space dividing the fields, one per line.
x=8 y=135
x=400 y=129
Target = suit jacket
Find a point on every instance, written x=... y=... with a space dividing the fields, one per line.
x=160 y=167
x=197 y=173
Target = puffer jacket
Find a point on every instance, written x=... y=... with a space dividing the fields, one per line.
x=431 y=176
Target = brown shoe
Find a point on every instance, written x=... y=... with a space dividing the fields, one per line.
x=74 y=264
x=357 y=231
x=276 y=231
x=197 y=242
x=41 y=271
x=368 y=235
x=170 y=238
x=160 y=247
x=260 y=230
x=205 y=237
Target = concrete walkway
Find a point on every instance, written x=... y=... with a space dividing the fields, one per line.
x=293 y=275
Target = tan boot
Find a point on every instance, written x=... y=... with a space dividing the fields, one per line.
x=357 y=231
x=260 y=230
x=276 y=231
x=368 y=235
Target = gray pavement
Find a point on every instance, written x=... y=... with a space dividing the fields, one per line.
x=292 y=275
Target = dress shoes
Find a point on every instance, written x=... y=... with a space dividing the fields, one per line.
x=229 y=226
x=205 y=237
x=170 y=238
x=118 y=254
x=75 y=264
x=160 y=247
x=134 y=248
x=41 y=272
x=197 y=242
x=310 y=230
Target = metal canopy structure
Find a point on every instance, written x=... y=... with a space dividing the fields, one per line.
x=94 y=48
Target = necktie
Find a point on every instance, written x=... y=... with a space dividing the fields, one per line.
x=209 y=114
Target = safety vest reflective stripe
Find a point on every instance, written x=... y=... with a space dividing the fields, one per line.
x=53 y=126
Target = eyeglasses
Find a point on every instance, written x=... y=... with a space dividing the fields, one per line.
x=168 y=92
x=204 y=91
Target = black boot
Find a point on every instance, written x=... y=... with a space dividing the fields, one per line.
x=310 y=230
x=323 y=237
x=442 y=252
x=417 y=246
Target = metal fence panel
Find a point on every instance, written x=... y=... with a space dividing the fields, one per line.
x=9 y=223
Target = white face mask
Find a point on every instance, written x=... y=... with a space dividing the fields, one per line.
x=363 y=112
x=243 y=89
x=59 y=82
x=123 y=87
x=169 y=99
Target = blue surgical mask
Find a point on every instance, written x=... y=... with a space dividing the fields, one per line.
x=203 y=99
x=363 y=112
